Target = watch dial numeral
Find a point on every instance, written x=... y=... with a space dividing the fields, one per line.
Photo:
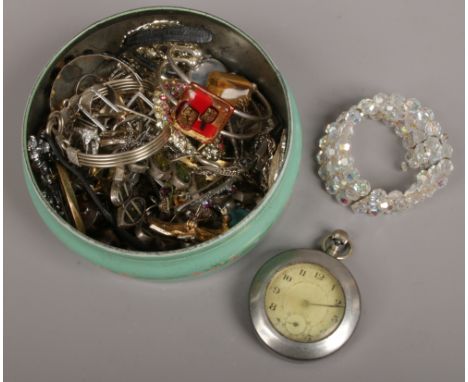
x=276 y=290
x=333 y=287
x=319 y=276
x=302 y=272
x=272 y=306
x=286 y=277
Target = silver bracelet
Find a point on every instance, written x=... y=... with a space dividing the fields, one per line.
x=426 y=148
x=83 y=103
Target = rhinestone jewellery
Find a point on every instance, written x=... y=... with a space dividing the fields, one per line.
x=426 y=148
x=156 y=146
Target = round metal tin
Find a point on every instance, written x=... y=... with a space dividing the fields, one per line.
x=229 y=42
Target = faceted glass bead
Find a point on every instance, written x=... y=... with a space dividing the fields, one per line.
x=333 y=131
x=329 y=151
x=345 y=146
x=421 y=154
x=331 y=167
x=367 y=106
x=362 y=187
x=428 y=113
x=344 y=161
x=412 y=198
x=359 y=207
x=320 y=157
x=330 y=127
x=419 y=116
x=447 y=150
x=433 y=149
x=346 y=129
x=412 y=104
x=422 y=177
x=417 y=120
x=342 y=117
x=343 y=181
x=396 y=116
x=398 y=200
x=413 y=138
x=402 y=129
x=379 y=100
x=384 y=206
x=442 y=182
x=418 y=136
x=333 y=185
x=446 y=166
x=394 y=108
x=408 y=141
x=432 y=128
x=350 y=175
x=323 y=142
x=395 y=194
x=426 y=190
x=411 y=159
x=343 y=199
x=353 y=116
x=351 y=193
x=390 y=111
x=378 y=194
x=323 y=173
x=437 y=177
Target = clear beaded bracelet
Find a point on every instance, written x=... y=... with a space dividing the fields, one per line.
x=426 y=148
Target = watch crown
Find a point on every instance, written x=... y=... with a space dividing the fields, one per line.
x=337 y=244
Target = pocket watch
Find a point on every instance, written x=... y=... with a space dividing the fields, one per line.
x=304 y=303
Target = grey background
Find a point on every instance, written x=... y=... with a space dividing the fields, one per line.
x=67 y=320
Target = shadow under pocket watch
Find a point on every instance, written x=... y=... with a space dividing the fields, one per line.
x=304 y=303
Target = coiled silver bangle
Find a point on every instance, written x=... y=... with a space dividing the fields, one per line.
x=120 y=159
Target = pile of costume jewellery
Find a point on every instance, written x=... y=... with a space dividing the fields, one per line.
x=159 y=146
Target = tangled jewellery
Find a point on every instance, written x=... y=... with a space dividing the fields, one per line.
x=159 y=146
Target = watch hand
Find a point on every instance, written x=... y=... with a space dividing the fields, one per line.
x=308 y=303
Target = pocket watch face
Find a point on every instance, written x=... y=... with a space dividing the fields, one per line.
x=304 y=302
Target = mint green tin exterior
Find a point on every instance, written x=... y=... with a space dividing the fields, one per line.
x=204 y=257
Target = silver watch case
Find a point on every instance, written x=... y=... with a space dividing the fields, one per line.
x=300 y=350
